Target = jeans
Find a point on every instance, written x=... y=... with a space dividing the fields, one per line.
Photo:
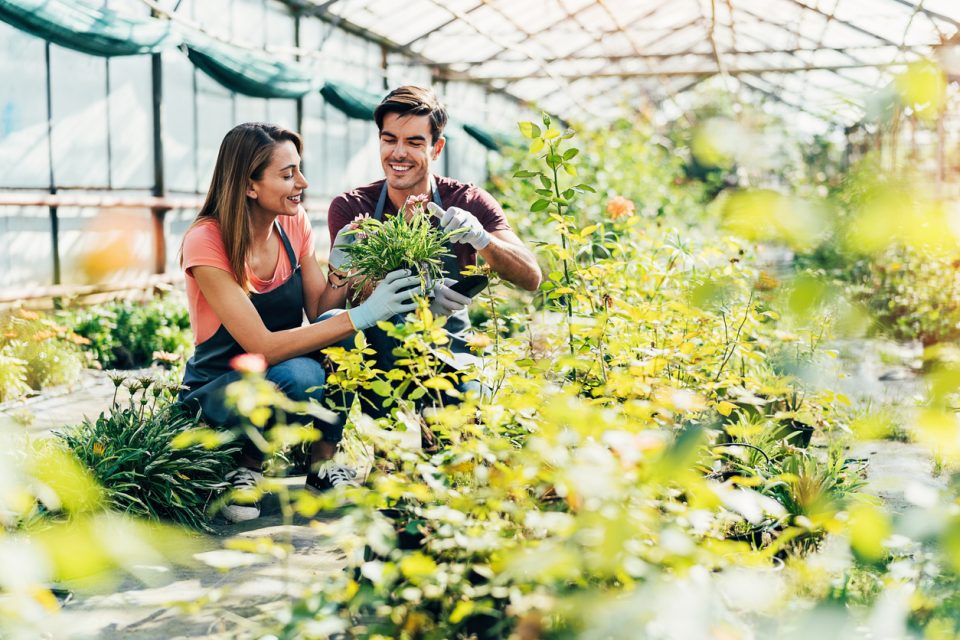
x=300 y=379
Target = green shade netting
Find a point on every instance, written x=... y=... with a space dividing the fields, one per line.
x=79 y=25
x=355 y=102
x=492 y=140
x=248 y=72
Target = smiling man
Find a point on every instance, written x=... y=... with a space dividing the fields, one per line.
x=411 y=121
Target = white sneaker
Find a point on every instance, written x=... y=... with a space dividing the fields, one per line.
x=331 y=475
x=242 y=480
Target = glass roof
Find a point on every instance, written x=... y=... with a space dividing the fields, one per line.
x=586 y=58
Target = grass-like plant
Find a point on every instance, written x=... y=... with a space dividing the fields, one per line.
x=131 y=453
x=406 y=240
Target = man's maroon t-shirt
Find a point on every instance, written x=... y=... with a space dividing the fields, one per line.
x=347 y=206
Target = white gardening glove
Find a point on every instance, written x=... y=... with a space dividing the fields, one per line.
x=391 y=297
x=463 y=224
x=446 y=300
x=338 y=253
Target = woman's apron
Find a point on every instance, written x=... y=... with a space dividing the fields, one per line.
x=280 y=309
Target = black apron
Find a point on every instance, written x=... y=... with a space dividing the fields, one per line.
x=280 y=309
x=458 y=323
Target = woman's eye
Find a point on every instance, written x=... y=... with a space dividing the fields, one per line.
x=288 y=177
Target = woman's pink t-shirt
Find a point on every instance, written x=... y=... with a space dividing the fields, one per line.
x=203 y=246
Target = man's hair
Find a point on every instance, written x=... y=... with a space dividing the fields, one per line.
x=410 y=100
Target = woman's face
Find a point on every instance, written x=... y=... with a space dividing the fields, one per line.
x=278 y=192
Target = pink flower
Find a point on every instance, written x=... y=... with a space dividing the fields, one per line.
x=413 y=201
x=358 y=221
x=619 y=207
x=249 y=363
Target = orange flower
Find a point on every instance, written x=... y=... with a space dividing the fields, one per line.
x=619 y=207
x=249 y=363
x=29 y=315
x=76 y=338
x=98 y=448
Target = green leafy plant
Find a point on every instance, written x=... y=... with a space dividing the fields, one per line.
x=38 y=352
x=131 y=453
x=128 y=335
x=406 y=240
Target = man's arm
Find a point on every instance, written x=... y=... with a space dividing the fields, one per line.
x=512 y=260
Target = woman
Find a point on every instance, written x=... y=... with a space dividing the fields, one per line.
x=251 y=275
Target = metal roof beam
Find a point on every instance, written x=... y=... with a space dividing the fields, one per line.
x=929 y=13
x=672 y=73
x=845 y=23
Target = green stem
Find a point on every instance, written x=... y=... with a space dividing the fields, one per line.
x=568 y=299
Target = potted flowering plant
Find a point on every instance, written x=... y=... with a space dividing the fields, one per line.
x=406 y=240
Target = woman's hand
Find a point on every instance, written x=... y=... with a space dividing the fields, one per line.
x=391 y=297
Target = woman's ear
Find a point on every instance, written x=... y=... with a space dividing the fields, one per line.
x=251 y=190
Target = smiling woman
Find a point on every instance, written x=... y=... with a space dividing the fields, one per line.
x=251 y=275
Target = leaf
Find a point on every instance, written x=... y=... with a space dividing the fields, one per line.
x=529 y=130
x=539 y=205
x=570 y=154
x=439 y=383
x=570 y=169
x=586 y=187
x=586 y=231
x=546 y=182
x=725 y=408
x=523 y=173
x=536 y=146
x=551 y=133
x=381 y=388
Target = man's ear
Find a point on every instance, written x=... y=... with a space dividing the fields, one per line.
x=438 y=147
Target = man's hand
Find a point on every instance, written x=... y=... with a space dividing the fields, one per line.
x=446 y=300
x=464 y=226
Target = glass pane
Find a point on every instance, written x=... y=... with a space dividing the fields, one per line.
x=179 y=141
x=215 y=116
x=23 y=111
x=78 y=84
x=25 y=253
x=131 y=123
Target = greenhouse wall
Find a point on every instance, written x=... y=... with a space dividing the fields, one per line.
x=98 y=139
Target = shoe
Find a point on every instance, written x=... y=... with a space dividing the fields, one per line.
x=242 y=480
x=331 y=475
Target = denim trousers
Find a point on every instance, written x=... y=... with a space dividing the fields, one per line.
x=300 y=379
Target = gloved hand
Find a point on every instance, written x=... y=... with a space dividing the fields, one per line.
x=446 y=300
x=391 y=297
x=338 y=253
x=463 y=224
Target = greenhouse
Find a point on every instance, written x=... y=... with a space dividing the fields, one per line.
x=480 y=319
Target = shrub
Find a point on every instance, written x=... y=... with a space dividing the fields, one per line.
x=127 y=335
x=36 y=353
x=132 y=454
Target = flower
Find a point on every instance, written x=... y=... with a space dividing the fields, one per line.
x=478 y=342
x=249 y=363
x=166 y=357
x=413 y=201
x=29 y=315
x=358 y=221
x=98 y=448
x=619 y=207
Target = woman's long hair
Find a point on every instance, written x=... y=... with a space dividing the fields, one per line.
x=245 y=153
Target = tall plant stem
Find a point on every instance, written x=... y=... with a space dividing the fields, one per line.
x=563 y=243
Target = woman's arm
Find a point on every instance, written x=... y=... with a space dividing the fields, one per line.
x=240 y=317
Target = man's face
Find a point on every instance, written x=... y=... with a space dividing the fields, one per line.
x=406 y=152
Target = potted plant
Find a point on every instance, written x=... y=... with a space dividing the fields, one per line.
x=406 y=240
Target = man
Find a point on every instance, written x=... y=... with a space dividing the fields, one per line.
x=410 y=121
